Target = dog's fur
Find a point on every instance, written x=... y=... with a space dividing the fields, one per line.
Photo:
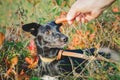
x=49 y=40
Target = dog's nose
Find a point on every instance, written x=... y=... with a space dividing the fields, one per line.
x=64 y=39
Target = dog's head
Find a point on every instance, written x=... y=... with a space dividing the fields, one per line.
x=47 y=35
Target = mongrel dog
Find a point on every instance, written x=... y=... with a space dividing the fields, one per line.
x=49 y=41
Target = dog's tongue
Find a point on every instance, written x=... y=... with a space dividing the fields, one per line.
x=52 y=23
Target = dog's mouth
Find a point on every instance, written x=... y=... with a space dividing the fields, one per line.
x=61 y=45
x=56 y=44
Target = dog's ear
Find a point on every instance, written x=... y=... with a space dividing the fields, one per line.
x=32 y=28
x=52 y=23
x=58 y=25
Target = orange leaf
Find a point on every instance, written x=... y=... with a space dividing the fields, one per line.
x=79 y=32
x=9 y=71
x=71 y=47
x=92 y=36
x=29 y=60
x=2 y=37
x=32 y=61
x=35 y=62
x=87 y=33
x=36 y=58
x=14 y=60
x=97 y=46
x=22 y=72
x=115 y=9
x=23 y=77
x=82 y=44
x=75 y=40
x=33 y=65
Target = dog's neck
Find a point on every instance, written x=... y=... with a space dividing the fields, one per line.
x=46 y=51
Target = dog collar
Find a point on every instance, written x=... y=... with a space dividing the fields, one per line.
x=48 y=60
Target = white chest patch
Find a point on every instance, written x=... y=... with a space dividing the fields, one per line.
x=46 y=77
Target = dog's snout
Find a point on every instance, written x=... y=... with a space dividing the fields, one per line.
x=64 y=39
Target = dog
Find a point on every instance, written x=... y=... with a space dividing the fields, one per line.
x=49 y=42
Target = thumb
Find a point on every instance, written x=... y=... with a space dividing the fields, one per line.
x=71 y=14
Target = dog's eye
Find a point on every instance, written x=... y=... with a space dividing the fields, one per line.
x=47 y=31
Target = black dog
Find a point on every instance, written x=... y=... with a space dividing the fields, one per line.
x=49 y=40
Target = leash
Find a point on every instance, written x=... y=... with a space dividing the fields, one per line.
x=76 y=55
x=83 y=56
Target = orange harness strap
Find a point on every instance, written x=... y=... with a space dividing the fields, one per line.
x=59 y=56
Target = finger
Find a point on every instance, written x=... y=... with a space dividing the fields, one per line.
x=83 y=20
x=78 y=18
x=86 y=20
x=71 y=15
x=70 y=22
x=93 y=15
x=89 y=17
x=72 y=12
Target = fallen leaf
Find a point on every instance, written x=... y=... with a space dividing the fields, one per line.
x=8 y=72
x=32 y=62
x=115 y=9
x=2 y=37
x=23 y=77
x=14 y=60
x=28 y=60
x=22 y=72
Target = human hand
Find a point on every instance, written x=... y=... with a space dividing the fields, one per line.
x=87 y=10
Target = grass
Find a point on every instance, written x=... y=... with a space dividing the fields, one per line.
x=104 y=31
